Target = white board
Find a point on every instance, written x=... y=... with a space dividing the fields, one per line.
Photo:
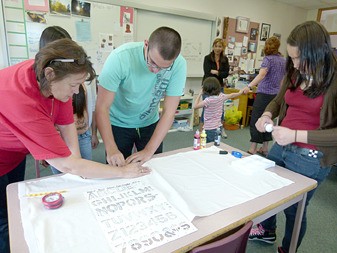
x=196 y=34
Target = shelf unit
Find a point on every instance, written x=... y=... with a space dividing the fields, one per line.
x=183 y=113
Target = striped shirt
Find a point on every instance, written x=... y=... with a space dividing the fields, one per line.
x=213 y=109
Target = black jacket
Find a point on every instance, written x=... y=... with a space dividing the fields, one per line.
x=209 y=64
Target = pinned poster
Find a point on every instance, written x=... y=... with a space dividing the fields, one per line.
x=36 y=5
x=126 y=15
x=106 y=42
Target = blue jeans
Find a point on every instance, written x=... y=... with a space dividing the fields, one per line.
x=84 y=141
x=16 y=175
x=211 y=134
x=304 y=165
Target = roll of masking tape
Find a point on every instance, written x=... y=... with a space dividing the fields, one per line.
x=52 y=200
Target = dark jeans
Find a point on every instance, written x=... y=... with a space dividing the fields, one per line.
x=126 y=138
x=16 y=175
x=211 y=134
x=260 y=103
x=302 y=164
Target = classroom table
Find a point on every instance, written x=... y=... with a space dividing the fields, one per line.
x=209 y=227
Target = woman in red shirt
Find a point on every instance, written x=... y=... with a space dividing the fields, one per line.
x=36 y=96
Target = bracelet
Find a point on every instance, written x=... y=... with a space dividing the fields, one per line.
x=265 y=115
x=295 y=135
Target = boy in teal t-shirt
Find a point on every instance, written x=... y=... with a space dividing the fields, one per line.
x=134 y=78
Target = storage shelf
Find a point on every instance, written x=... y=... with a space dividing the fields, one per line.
x=188 y=113
x=184 y=112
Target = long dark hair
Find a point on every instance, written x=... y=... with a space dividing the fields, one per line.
x=79 y=102
x=52 y=33
x=317 y=60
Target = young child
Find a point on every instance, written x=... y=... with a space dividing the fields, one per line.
x=213 y=105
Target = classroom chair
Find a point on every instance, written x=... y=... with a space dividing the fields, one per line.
x=234 y=243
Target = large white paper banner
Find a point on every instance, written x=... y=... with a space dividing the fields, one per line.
x=135 y=217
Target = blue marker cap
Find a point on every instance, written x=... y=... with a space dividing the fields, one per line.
x=236 y=154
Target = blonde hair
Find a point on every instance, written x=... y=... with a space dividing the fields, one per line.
x=219 y=40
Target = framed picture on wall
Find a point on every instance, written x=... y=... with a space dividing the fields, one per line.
x=253 y=33
x=252 y=47
x=242 y=25
x=265 y=30
x=328 y=18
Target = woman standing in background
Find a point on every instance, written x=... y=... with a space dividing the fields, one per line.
x=215 y=65
x=268 y=84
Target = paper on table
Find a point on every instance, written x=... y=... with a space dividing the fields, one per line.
x=208 y=182
x=59 y=236
x=203 y=179
x=135 y=217
x=251 y=164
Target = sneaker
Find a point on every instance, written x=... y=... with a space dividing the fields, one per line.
x=223 y=133
x=260 y=234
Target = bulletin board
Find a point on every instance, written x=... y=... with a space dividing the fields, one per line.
x=243 y=48
x=99 y=33
x=105 y=29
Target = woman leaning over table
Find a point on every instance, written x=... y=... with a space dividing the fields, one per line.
x=306 y=138
x=35 y=96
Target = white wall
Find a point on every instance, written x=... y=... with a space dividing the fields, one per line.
x=283 y=18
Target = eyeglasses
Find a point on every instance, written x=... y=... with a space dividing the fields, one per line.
x=80 y=61
x=155 y=66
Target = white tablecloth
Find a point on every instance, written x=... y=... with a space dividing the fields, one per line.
x=197 y=183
